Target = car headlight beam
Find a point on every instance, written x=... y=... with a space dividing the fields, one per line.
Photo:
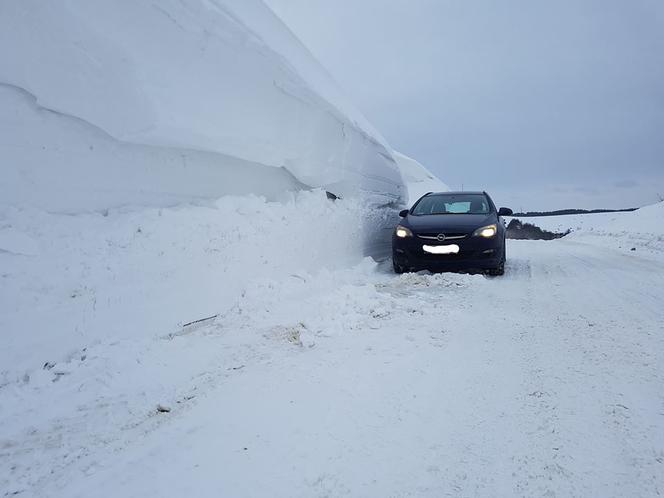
x=402 y=232
x=487 y=232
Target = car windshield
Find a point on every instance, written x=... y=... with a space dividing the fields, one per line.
x=452 y=204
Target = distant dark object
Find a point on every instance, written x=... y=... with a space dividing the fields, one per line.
x=633 y=249
x=163 y=409
x=562 y=212
x=331 y=196
x=527 y=231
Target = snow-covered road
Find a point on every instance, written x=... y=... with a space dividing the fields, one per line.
x=546 y=382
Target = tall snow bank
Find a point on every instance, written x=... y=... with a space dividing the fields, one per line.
x=57 y=163
x=417 y=178
x=122 y=93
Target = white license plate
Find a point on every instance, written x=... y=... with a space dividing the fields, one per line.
x=448 y=249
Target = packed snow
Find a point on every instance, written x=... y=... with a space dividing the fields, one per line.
x=69 y=281
x=302 y=381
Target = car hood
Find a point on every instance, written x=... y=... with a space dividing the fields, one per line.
x=449 y=222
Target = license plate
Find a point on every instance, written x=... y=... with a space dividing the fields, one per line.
x=448 y=249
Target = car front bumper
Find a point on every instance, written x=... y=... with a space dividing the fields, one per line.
x=475 y=253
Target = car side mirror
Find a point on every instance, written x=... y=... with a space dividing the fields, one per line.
x=403 y=213
x=505 y=212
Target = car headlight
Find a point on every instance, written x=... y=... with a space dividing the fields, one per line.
x=486 y=232
x=402 y=232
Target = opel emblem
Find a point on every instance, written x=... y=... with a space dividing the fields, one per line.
x=441 y=237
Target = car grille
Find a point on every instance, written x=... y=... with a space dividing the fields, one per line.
x=448 y=236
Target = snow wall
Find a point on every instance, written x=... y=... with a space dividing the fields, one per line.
x=417 y=178
x=108 y=104
x=185 y=136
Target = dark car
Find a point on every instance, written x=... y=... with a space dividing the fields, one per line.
x=451 y=231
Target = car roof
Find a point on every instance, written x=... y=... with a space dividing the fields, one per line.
x=457 y=192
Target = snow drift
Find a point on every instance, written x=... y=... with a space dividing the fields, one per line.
x=134 y=102
x=68 y=282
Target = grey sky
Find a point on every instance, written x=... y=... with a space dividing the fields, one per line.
x=546 y=104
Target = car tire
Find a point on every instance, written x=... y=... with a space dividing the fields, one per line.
x=497 y=272
x=398 y=269
x=500 y=269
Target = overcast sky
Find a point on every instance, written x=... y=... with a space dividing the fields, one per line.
x=546 y=104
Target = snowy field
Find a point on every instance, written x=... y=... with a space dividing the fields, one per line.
x=642 y=230
x=573 y=222
x=341 y=381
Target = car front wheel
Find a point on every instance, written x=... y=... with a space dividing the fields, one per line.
x=498 y=271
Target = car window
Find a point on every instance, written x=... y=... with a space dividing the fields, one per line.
x=452 y=204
